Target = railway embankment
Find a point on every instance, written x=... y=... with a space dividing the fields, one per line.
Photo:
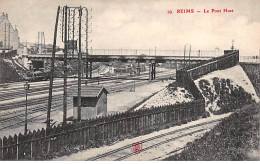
x=169 y=95
x=8 y=72
x=224 y=89
x=237 y=136
x=252 y=71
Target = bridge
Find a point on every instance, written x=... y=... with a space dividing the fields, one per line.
x=121 y=58
x=111 y=56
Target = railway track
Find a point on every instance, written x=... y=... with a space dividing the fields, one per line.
x=58 y=88
x=112 y=89
x=16 y=120
x=34 y=102
x=21 y=113
x=126 y=151
x=15 y=116
x=30 y=102
x=18 y=91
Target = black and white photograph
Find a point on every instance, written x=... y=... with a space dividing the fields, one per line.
x=129 y=80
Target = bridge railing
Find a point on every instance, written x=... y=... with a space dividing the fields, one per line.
x=153 y=52
x=249 y=59
x=144 y=52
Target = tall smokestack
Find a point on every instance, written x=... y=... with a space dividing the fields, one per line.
x=5 y=37
x=38 y=39
x=9 y=36
x=43 y=40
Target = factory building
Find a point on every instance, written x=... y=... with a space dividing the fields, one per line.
x=9 y=39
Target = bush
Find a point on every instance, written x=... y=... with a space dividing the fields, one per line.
x=8 y=73
x=224 y=93
x=235 y=138
x=205 y=114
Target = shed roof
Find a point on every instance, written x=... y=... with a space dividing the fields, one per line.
x=86 y=91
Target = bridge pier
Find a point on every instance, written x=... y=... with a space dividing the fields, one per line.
x=150 y=74
x=86 y=69
x=82 y=70
x=152 y=71
x=45 y=64
x=90 y=69
x=177 y=66
x=138 y=69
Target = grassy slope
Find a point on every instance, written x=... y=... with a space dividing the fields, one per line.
x=235 y=138
x=252 y=71
x=224 y=91
x=7 y=73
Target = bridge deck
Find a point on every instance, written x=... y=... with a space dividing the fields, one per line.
x=123 y=58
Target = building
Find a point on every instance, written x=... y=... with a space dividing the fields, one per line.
x=93 y=101
x=9 y=38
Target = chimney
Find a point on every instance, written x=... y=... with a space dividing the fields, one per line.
x=25 y=50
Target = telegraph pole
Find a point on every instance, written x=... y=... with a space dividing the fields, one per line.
x=65 y=38
x=79 y=67
x=73 y=31
x=87 y=43
x=52 y=70
x=65 y=67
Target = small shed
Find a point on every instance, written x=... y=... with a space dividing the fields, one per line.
x=93 y=101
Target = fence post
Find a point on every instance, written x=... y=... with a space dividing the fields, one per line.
x=49 y=141
x=87 y=137
x=1 y=149
x=42 y=133
x=5 y=149
x=9 y=149
x=15 y=141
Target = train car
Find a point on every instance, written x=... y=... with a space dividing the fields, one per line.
x=37 y=76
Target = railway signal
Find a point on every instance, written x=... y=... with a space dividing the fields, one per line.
x=232 y=47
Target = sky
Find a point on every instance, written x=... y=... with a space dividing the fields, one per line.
x=144 y=24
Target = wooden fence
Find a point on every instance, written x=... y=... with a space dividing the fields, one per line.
x=187 y=75
x=96 y=132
